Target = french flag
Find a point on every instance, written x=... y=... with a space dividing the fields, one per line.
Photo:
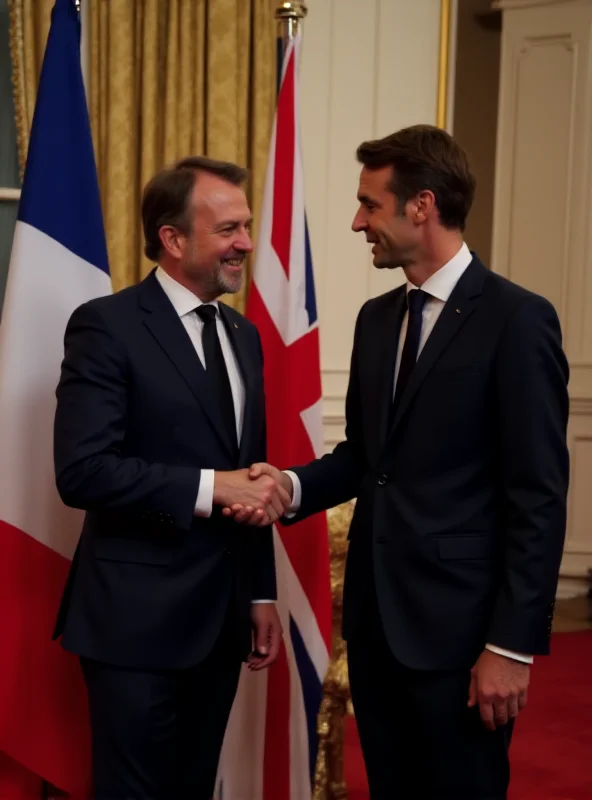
x=270 y=746
x=58 y=261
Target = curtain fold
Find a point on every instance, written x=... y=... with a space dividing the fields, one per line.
x=168 y=78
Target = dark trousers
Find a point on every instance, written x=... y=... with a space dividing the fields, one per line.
x=157 y=735
x=418 y=737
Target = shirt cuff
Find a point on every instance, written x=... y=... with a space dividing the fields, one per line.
x=261 y=601
x=296 y=494
x=205 y=495
x=509 y=654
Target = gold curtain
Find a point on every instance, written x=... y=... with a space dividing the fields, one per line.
x=170 y=78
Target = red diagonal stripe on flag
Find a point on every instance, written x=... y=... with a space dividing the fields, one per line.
x=283 y=189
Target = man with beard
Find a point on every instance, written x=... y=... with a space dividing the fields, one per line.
x=160 y=410
x=456 y=450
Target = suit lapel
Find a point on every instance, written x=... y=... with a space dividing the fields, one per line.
x=247 y=368
x=380 y=382
x=458 y=308
x=164 y=324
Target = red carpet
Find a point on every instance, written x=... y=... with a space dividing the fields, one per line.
x=552 y=745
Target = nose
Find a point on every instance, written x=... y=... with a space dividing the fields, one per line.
x=359 y=223
x=244 y=243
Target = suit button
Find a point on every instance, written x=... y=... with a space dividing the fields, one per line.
x=382 y=480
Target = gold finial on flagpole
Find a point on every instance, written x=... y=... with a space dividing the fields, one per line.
x=289 y=14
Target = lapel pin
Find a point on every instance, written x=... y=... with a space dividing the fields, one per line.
x=458 y=310
x=235 y=325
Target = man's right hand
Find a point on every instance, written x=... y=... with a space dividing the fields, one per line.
x=247 y=513
x=260 y=492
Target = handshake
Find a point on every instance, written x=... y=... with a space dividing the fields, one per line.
x=257 y=496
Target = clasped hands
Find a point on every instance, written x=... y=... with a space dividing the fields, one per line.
x=257 y=496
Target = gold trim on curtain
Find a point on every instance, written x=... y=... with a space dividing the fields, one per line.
x=172 y=78
x=29 y=26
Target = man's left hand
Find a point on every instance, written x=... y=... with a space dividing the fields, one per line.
x=267 y=635
x=499 y=685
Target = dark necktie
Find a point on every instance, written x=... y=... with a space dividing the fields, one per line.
x=416 y=300
x=216 y=371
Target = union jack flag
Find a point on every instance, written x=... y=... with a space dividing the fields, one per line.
x=271 y=742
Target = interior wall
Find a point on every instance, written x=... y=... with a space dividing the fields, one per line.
x=541 y=234
x=476 y=89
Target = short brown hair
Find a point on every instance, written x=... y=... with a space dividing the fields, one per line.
x=425 y=157
x=165 y=200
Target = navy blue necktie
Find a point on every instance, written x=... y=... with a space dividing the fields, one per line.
x=416 y=300
x=216 y=371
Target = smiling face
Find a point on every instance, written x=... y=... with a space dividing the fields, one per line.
x=214 y=251
x=205 y=250
x=392 y=230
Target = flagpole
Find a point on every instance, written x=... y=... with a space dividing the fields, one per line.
x=329 y=783
x=289 y=16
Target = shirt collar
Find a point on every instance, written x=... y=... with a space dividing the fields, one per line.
x=182 y=299
x=442 y=282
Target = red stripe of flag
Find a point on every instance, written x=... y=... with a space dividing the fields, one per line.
x=276 y=759
x=17 y=783
x=283 y=189
x=43 y=702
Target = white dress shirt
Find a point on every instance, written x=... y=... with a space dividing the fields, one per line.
x=185 y=302
x=439 y=287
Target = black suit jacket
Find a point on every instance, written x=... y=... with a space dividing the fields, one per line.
x=461 y=511
x=151 y=584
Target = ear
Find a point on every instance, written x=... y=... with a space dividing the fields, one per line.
x=422 y=206
x=172 y=240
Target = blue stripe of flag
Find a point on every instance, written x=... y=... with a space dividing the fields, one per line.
x=310 y=301
x=279 y=64
x=60 y=194
x=312 y=692
x=310 y=298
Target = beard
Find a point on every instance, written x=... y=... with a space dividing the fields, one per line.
x=215 y=280
x=228 y=284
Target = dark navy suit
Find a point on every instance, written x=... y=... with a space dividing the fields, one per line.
x=458 y=530
x=158 y=600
